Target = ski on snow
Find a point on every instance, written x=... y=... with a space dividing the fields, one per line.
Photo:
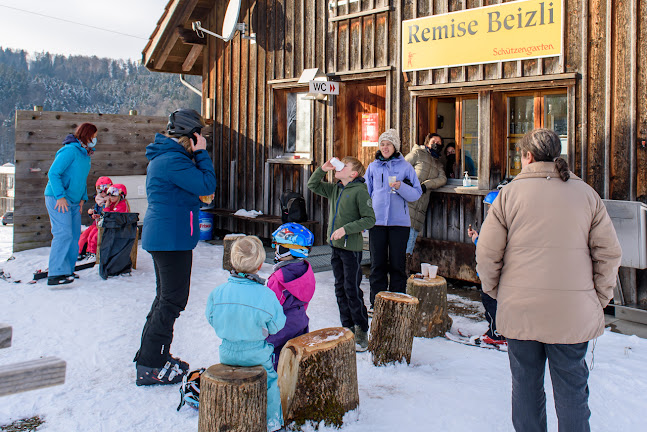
x=474 y=341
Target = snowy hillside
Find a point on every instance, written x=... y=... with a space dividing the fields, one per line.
x=96 y=325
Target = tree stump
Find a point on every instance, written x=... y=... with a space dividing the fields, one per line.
x=233 y=399
x=318 y=377
x=228 y=242
x=392 y=328
x=433 y=319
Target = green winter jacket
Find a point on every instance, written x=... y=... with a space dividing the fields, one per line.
x=350 y=208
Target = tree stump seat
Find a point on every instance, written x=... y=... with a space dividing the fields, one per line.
x=391 y=338
x=433 y=319
x=318 y=377
x=233 y=399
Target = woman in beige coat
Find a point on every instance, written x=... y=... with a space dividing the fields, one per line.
x=549 y=254
x=425 y=160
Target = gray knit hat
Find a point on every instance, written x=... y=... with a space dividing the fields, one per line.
x=391 y=136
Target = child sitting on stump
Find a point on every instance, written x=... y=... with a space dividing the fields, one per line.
x=293 y=282
x=243 y=312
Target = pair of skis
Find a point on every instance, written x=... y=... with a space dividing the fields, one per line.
x=40 y=274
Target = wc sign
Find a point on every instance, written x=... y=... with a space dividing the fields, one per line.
x=324 y=87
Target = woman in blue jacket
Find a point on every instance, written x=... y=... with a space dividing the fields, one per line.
x=179 y=172
x=388 y=238
x=65 y=193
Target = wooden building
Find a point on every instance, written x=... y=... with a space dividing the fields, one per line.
x=268 y=137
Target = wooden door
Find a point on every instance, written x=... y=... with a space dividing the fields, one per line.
x=355 y=99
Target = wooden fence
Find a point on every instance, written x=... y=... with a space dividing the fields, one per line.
x=121 y=147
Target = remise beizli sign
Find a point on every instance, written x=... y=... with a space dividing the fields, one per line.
x=509 y=31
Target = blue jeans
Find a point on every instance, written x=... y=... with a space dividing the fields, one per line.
x=256 y=353
x=411 y=243
x=66 y=230
x=569 y=375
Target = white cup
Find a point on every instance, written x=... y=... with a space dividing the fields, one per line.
x=339 y=165
x=424 y=267
x=433 y=270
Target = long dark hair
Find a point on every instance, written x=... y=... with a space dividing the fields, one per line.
x=544 y=146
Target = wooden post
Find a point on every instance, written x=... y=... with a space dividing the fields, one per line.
x=227 y=243
x=5 y=335
x=433 y=319
x=318 y=377
x=392 y=328
x=31 y=375
x=233 y=399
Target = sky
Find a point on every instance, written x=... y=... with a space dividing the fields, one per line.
x=56 y=34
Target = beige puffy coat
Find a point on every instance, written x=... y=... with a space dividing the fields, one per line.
x=549 y=254
x=430 y=173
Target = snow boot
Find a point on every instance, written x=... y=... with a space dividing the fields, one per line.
x=59 y=280
x=171 y=373
x=361 y=339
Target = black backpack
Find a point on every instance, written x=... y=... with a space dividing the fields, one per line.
x=293 y=207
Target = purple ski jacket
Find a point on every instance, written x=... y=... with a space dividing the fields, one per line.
x=294 y=286
x=392 y=209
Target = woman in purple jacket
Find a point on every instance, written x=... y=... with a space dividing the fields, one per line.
x=392 y=183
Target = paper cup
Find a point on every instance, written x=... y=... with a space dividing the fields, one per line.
x=339 y=165
x=433 y=270
x=425 y=269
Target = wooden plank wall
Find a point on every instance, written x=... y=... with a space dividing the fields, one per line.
x=121 y=147
x=290 y=37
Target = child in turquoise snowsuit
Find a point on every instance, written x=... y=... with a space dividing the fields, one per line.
x=244 y=312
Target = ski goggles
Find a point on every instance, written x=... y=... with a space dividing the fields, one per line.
x=103 y=188
x=113 y=191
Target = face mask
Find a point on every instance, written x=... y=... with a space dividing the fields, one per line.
x=92 y=143
x=437 y=148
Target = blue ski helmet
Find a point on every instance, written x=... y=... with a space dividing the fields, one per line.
x=295 y=237
x=489 y=198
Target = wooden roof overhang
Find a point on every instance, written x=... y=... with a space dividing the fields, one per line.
x=174 y=47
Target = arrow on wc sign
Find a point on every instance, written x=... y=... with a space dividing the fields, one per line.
x=324 y=87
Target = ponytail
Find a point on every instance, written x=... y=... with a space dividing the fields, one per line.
x=562 y=168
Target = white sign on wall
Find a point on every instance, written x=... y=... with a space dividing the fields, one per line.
x=324 y=87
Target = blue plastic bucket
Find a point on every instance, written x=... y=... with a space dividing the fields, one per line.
x=206 y=226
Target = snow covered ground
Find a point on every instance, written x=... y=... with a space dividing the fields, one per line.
x=96 y=325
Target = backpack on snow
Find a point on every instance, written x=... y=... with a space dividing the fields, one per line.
x=190 y=389
x=293 y=207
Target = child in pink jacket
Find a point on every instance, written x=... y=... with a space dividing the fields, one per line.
x=293 y=282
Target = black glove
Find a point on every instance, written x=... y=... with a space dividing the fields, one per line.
x=423 y=187
x=407 y=181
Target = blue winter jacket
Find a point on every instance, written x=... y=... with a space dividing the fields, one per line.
x=68 y=175
x=391 y=209
x=174 y=183
x=244 y=310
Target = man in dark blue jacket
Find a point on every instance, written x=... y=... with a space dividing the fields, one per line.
x=179 y=172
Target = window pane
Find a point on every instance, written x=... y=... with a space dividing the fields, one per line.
x=470 y=133
x=555 y=118
x=521 y=119
x=299 y=116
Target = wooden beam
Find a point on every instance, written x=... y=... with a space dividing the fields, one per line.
x=194 y=54
x=31 y=375
x=5 y=335
x=158 y=63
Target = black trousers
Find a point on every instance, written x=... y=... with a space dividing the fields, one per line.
x=346 y=267
x=388 y=259
x=173 y=276
x=490 y=306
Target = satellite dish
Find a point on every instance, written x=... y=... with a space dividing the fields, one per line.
x=229 y=25
x=231 y=20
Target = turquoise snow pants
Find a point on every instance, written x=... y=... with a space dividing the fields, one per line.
x=256 y=353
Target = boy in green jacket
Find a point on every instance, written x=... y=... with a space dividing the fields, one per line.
x=351 y=212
